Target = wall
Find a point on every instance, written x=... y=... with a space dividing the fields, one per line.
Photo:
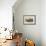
x=28 y=7
x=6 y=13
x=6 y=16
x=43 y=22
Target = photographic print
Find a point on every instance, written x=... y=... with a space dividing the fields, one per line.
x=29 y=19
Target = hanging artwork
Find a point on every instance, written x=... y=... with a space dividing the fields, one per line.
x=29 y=19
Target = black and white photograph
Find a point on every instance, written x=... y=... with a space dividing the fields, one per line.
x=29 y=19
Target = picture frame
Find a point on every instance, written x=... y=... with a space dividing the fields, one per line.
x=29 y=19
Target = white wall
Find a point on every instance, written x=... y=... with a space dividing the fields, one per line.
x=29 y=7
x=34 y=32
x=43 y=22
x=6 y=13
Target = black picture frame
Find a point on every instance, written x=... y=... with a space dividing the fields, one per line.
x=29 y=19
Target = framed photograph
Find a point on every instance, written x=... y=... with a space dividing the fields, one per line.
x=29 y=19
